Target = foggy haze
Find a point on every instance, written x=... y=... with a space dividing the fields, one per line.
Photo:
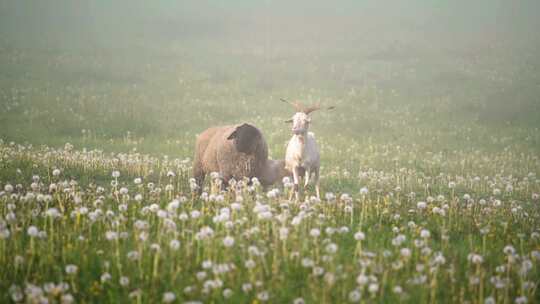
x=477 y=58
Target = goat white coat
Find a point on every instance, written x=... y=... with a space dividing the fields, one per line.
x=303 y=160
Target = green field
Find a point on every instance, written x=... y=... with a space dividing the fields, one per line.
x=430 y=171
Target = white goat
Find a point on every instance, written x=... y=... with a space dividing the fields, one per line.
x=303 y=157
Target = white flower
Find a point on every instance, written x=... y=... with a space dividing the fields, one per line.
x=307 y=262
x=174 y=244
x=111 y=235
x=263 y=296
x=315 y=232
x=421 y=205
x=8 y=188
x=331 y=248
x=193 y=186
x=183 y=217
x=439 y=259
x=249 y=264
x=155 y=247
x=116 y=174
x=56 y=172
x=489 y=300
x=509 y=250
x=362 y=279
x=16 y=293
x=227 y=293
x=105 y=277
x=124 y=281
x=424 y=233
x=318 y=271
x=201 y=275
x=207 y=264
x=173 y=205
x=373 y=287
x=329 y=230
x=405 y=252
x=330 y=196
x=364 y=191
x=475 y=258
x=272 y=194
x=247 y=287
x=71 y=269
x=33 y=231
x=399 y=239
x=162 y=213
x=299 y=301
x=133 y=255
x=359 y=236
x=355 y=296
x=67 y=299
x=169 y=297
x=228 y=241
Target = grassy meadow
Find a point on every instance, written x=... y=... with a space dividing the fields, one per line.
x=430 y=171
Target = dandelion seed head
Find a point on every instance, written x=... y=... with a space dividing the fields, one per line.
x=168 y=297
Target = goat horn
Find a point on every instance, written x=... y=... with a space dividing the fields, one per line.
x=299 y=107
x=317 y=107
x=312 y=109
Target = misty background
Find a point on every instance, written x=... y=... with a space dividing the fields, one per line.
x=169 y=69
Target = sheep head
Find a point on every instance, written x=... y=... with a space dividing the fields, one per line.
x=245 y=138
x=274 y=171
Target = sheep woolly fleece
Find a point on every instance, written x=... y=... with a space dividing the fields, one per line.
x=214 y=152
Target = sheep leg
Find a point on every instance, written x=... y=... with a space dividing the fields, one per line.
x=225 y=184
x=198 y=174
x=200 y=182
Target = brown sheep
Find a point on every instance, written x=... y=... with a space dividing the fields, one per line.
x=235 y=152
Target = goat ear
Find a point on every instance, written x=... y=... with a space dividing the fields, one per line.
x=233 y=135
x=288 y=121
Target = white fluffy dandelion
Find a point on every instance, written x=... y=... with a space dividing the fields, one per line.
x=228 y=241
x=168 y=297
x=71 y=269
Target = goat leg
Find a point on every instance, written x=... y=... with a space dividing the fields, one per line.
x=296 y=178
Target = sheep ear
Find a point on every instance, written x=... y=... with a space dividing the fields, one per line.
x=288 y=121
x=233 y=135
